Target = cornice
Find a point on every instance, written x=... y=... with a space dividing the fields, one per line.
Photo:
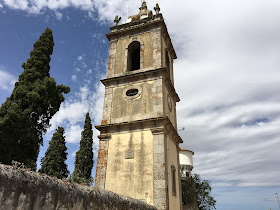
x=143 y=75
x=160 y=125
x=134 y=24
x=104 y=136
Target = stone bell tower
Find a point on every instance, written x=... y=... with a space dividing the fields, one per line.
x=138 y=149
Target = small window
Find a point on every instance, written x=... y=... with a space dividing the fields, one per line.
x=173 y=176
x=167 y=62
x=133 y=59
x=132 y=92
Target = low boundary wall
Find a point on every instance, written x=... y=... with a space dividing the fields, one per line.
x=24 y=189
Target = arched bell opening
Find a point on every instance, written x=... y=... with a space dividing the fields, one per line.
x=133 y=57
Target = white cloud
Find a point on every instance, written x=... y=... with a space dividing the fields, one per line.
x=80 y=58
x=89 y=71
x=97 y=99
x=73 y=134
x=84 y=65
x=1 y=6
x=58 y=15
x=47 y=18
x=74 y=77
x=222 y=184
x=71 y=114
x=17 y=4
x=99 y=37
x=74 y=153
x=7 y=81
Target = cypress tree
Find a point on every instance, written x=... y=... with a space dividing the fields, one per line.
x=84 y=157
x=53 y=163
x=26 y=114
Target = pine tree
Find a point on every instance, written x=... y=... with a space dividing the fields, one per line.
x=26 y=114
x=84 y=157
x=53 y=163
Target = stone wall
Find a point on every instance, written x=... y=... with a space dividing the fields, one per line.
x=23 y=189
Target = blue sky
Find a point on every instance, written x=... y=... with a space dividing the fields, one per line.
x=227 y=76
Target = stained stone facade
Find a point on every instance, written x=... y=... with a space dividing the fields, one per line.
x=138 y=150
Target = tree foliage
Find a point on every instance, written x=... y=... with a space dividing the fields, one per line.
x=194 y=189
x=84 y=157
x=26 y=114
x=188 y=193
x=53 y=163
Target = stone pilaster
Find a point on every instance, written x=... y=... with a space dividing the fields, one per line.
x=160 y=187
x=157 y=54
x=101 y=168
x=107 y=108
x=112 y=59
x=157 y=91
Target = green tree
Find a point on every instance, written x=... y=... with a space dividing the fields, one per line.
x=188 y=193
x=84 y=157
x=194 y=189
x=26 y=114
x=53 y=163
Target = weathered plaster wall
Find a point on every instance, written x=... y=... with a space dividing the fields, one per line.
x=170 y=114
x=23 y=189
x=147 y=104
x=130 y=165
x=125 y=109
x=165 y=48
x=172 y=159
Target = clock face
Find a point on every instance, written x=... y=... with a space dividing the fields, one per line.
x=169 y=103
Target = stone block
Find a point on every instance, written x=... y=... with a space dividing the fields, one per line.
x=159 y=175
x=160 y=192
x=159 y=184
x=159 y=158
x=158 y=148
x=160 y=203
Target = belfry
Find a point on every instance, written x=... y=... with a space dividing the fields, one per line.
x=138 y=152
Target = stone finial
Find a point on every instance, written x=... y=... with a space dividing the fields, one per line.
x=117 y=20
x=143 y=6
x=157 y=9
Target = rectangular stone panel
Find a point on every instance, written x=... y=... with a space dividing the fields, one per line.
x=129 y=154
